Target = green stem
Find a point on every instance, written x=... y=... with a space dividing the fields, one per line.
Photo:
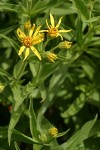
x=51 y=50
x=45 y=44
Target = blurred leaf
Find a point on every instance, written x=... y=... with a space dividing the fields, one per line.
x=8 y=30
x=5 y=73
x=10 y=7
x=94 y=52
x=16 y=146
x=75 y=107
x=82 y=8
x=13 y=43
x=92 y=143
x=79 y=32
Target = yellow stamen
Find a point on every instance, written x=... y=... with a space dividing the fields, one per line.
x=27 y=41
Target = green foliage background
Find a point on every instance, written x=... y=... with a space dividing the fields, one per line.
x=64 y=94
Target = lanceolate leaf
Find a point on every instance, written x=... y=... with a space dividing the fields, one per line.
x=13 y=121
x=75 y=107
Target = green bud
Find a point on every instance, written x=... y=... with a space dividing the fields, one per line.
x=65 y=44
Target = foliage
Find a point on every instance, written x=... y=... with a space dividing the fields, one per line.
x=57 y=87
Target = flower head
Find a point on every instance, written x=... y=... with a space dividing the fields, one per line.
x=53 y=131
x=53 y=29
x=51 y=56
x=28 y=41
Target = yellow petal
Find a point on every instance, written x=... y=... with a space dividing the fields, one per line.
x=47 y=24
x=21 y=50
x=60 y=36
x=34 y=50
x=63 y=31
x=20 y=34
x=37 y=39
x=43 y=31
x=52 y=20
x=37 y=31
x=59 y=22
x=26 y=53
x=32 y=30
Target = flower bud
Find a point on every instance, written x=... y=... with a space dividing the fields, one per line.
x=27 y=25
x=53 y=131
x=65 y=44
x=43 y=137
x=51 y=56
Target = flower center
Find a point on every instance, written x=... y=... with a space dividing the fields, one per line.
x=27 y=41
x=53 y=32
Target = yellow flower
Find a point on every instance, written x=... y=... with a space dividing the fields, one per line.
x=65 y=44
x=53 y=29
x=51 y=56
x=29 y=41
x=53 y=131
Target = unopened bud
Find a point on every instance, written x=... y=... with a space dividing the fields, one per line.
x=51 y=56
x=43 y=137
x=27 y=25
x=65 y=44
x=53 y=131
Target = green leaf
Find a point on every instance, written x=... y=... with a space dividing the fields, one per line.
x=13 y=43
x=78 y=137
x=8 y=30
x=10 y=7
x=81 y=135
x=18 y=95
x=79 y=32
x=5 y=73
x=94 y=52
x=13 y=121
x=42 y=90
x=62 y=133
x=19 y=69
x=33 y=123
x=44 y=72
x=17 y=136
x=16 y=146
x=82 y=8
x=75 y=107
